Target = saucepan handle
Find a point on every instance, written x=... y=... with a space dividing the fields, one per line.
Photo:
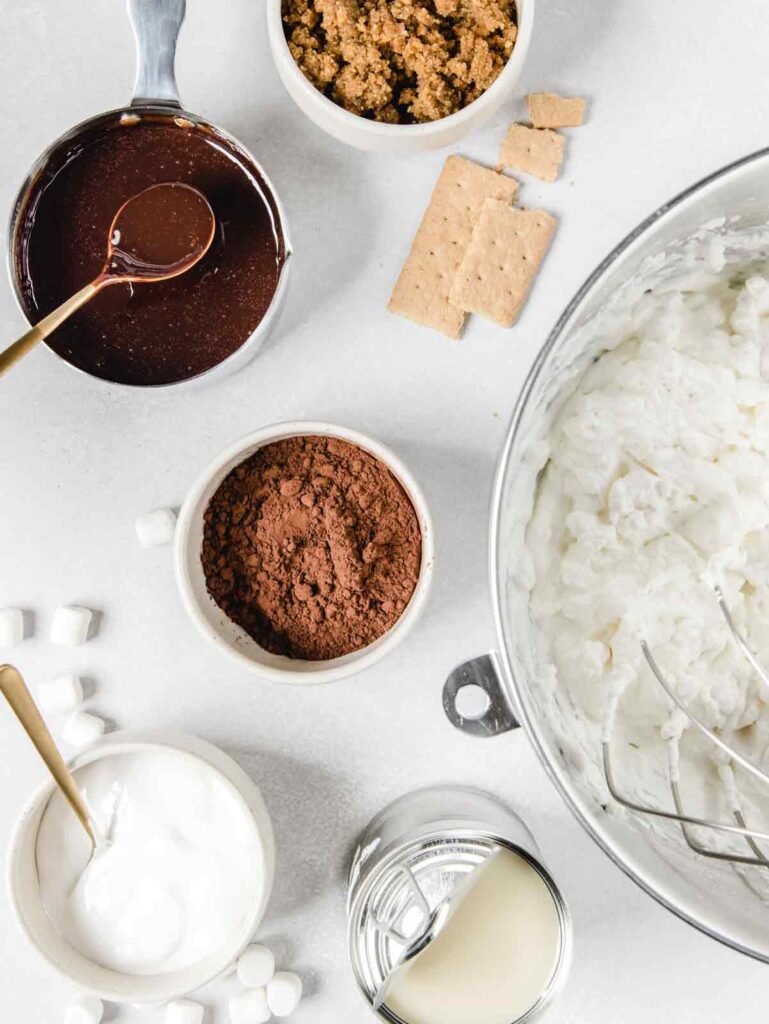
x=156 y=25
x=498 y=716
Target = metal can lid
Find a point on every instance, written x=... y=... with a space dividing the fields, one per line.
x=393 y=913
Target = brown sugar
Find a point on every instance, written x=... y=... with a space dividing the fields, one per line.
x=401 y=61
x=311 y=546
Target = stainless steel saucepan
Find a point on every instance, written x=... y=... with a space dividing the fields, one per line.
x=156 y=25
x=716 y=898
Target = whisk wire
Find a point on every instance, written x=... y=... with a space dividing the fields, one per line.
x=727 y=748
x=687 y=822
x=679 y=815
x=740 y=639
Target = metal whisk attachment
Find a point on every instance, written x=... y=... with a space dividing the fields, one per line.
x=740 y=828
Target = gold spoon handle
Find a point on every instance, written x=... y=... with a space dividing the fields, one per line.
x=49 y=323
x=18 y=696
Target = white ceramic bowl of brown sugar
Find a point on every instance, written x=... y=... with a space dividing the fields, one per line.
x=377 y=136
x=212 y=621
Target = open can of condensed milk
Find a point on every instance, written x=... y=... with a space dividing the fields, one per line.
x=452 y=917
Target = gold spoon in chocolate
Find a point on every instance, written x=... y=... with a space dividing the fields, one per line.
x=15 y=691
x=157 y=234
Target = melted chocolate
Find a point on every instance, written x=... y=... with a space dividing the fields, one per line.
x=166 y=331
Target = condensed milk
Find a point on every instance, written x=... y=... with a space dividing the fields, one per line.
x=452 y=917
x=494 y=956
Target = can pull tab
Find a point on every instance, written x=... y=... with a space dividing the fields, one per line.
x=413 y=928
x=156 y=25
x=474 y=700
x=396 y=928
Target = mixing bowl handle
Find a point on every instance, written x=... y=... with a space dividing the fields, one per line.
x=156 y=25
x=482 y=672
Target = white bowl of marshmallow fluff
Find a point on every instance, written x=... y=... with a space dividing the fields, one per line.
x=179 y=880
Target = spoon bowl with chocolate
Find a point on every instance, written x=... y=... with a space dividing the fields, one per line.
x=192 y=327
x=305 y=552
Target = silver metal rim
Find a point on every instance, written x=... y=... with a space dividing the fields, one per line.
x=171 y=111
x=526 y=711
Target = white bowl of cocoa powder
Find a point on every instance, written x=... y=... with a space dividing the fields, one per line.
x=305 y=552
x=401 y=79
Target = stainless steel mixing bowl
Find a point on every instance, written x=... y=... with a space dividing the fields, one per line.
x=156 y=25
x=713 y=898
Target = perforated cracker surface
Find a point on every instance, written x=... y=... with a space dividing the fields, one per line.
x=502 y=260
x=537 y=151
x=422 y=292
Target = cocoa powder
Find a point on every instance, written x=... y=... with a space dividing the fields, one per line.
x=311 y=546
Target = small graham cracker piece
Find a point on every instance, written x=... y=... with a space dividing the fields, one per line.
x=502 y=260
x=537 y=151
x=422 y=292
x=549 y=110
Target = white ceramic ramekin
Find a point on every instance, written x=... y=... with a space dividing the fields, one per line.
x=394 y=138
x=113 y=985
x=230 y=638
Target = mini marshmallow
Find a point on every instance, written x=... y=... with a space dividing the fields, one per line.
x=11 y=626
x=256 y=966
x=70 y=625
x=63 y=693
x=184 y=1011
x=84 y=1010
x=156 y=528
x=284 y=993
x=250 y=1007
x=82 y=729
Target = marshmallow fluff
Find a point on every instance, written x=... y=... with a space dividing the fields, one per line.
x=656 y=488
x=178 y=876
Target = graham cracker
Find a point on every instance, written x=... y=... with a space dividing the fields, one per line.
x=502 y=260
x=537 y=151
x=422 y=292
x=549 y=110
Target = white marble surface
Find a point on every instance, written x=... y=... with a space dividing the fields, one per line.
x=676 y=90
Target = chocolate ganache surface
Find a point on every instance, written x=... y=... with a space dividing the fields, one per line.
x=160 y=332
